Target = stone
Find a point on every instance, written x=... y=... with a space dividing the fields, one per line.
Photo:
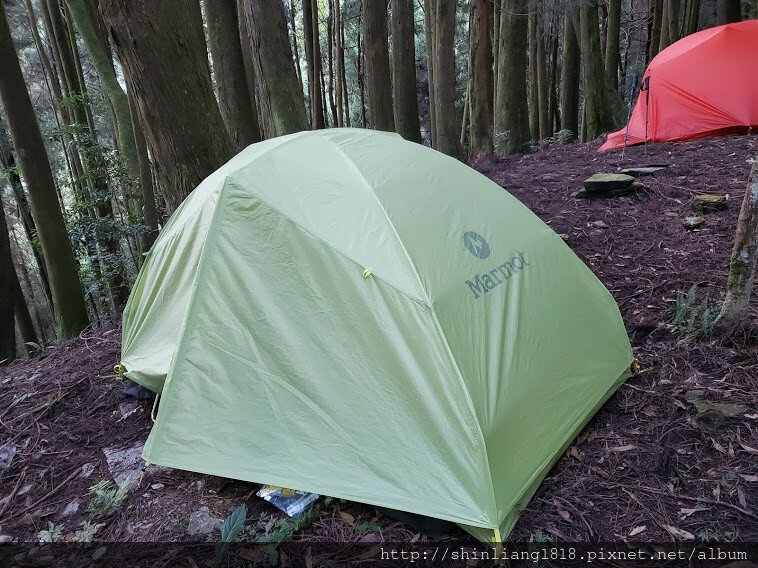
x=157 y=486
x=608 y=182
x=125 y=464
x=127 y=409
x=87 y=470
x=25 y=489
x=724 y=408
x=693 y=222
x=5 y=538
x=584 y=194
x=99 y=553
x=201 y=522
x=7 y=451
x=646 y=170
x=72 y=508
x=707 y=202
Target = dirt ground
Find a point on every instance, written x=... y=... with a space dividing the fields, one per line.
x=661 y=461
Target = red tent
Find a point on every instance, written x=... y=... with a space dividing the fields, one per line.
x=703 y=85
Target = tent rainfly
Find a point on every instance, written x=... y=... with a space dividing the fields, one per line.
x=347 y=313
x=702 y=85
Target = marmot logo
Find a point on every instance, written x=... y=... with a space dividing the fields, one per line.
x=476 y=244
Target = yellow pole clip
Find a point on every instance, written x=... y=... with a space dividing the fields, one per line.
x=119 y=369
x=367 y=272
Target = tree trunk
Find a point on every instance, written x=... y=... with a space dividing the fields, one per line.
x=7 y=294
x=234 y=99
x=511 y=115
x=62 y=270
x=377 y=65
x=331 y=21
x=495 y=43
x=448 y=141
x=345 y=95
x=429 y=29
x=150 y=212
x=360 y=69
x=240 y=9
x=692 y=17
x=728 y=11
x=654 y=36
x=8 y=163
x=162 y=50
x=739 y=284
x=313 y=59
x=338 y=62
x=612 y=50
x=22 y=314
x=673 y=20
x=543 y=85
x=570 y=70
x=665 y=40
x=598 y=102
x=534 y=102
x=480 y=65
x=267 y=25
x=405 y=96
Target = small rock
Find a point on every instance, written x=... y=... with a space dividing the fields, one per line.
x=128 y=408
x=99 y=553
x=607 y=182
x=599 y=224
x=87 y=470
x=72 y=508
x=5 y=538
x=25 y=489
x=7 y=451
x=157 y=486
x=201 y=522
x=706 y=202
x=644 y=170
x=693 y=222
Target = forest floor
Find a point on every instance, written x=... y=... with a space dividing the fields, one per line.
x=672 y=455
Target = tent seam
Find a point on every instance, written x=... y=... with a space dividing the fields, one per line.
x=476 y=428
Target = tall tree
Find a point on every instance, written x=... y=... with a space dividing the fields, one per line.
x=570 y=77
x=405 y=97
x=612 y=50
x=739 y=284
x=377 y=65
x=68 y=301
x=480 y=64
x=511 y=115
x=692 y=17
x=266 y=24
x=673 y=20
x=655 y=17
x=161 y=46
x=150 y=210
x=448 y=140
x=429 y=32
x=7 y=293
x=728 y=11
x=543 y=84
x=599 y=103
x=533 y=94
x=313 y=61
x=234 y=99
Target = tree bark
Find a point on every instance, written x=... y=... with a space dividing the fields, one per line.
x=692 y=17
x=570 y=70
x=728 y=11
x=480 y=65
x=266 y=24
x=664 y=41
x=405 y=95
x=162 y=50
x=7 y=294
x=673 y=20
x=429 y=29
x=598 y=98
x=511 y=114
x=22 y=314
x=313 y=59
x=150 y=211
x=534 y=102
x=377 y=65
x=612 y=50
x=234 y=99
x=448 y=141
x=331 y=35
x=739 y=284
x=543 y=85
x=654 y=37
x=68 y=302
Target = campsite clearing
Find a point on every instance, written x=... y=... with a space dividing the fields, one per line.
x=661 y=453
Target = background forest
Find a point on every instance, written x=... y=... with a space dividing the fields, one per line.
x=113 y=111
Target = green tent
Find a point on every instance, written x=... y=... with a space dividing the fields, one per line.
x=347 y=313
